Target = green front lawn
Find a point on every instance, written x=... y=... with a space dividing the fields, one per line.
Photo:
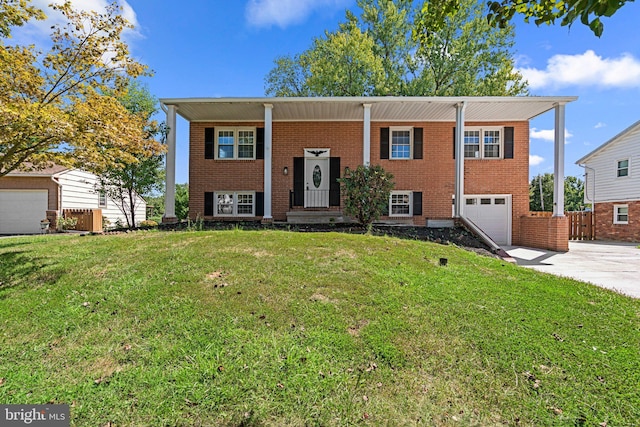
x=279 y=328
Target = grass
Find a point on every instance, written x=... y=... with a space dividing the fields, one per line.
x=274 y=328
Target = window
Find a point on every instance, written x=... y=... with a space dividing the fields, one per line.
x=401 y=143
x=483 y=143
x=234 y=203
x=622 y=168
x=235 y=143
x=471 y=201
x=400 y=203
x=621 y=214
x=102 y=199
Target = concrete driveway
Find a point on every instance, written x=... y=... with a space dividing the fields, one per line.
x=612 y=265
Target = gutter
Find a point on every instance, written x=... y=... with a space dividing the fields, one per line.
x=586 y=193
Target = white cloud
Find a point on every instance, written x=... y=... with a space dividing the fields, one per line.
x=587 y=69
x=599 y=125
x=266 y=13
x=547 y=134
x=535 y=160
x=40 y=30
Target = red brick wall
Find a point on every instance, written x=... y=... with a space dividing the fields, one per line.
x=607 y=230
x=433 y=175
x=544 y=232
x=32 y=183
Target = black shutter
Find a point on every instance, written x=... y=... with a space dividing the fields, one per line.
x=260 y=143
x=334 y=185
x=384 y=143
x=208 y=204
x=298 y=181
x=417 y=143
x=508 y=143
x=454 y=142
x=209 y=143
x=417 y=203
x=259 y=204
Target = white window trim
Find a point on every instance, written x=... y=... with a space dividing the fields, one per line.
x=482 y=130
x=616 y=209
x=401 y=193
x=400 y=129
x=628 y=168
x=236 y=142
x=102 y=194
x=234 y=213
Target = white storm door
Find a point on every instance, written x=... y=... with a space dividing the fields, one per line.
x=316 y=186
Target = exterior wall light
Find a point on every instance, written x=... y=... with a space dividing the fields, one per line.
x=285 y=171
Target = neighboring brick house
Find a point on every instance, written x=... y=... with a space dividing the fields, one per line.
x=27 y=197
x=278 y=158
x=612 y=186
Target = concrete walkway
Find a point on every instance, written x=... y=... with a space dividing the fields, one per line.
x=612 y=265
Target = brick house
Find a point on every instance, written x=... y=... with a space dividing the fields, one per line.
x=277 y=159
x=612 y=186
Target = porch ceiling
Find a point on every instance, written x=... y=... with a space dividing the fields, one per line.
x=485 y=109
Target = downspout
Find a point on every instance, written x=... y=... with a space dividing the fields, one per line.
x=59 y=200
x=586 y=182
x=459 y=169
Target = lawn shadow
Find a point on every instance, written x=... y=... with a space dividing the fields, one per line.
x=20 y=269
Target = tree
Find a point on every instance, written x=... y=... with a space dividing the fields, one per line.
x=466 y=56
x=390 y=49
x=60 y=106
x=182 y=201
x=366 y=190
x=547 y=11
x=573 y=193
x=127 y=180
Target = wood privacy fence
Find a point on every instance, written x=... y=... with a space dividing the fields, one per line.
x=88 y=219
x=581 y=225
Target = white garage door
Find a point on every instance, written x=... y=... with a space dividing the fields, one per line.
x=492 y=213
x=22 y=210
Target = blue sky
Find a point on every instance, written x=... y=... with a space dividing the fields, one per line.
x=225 y=48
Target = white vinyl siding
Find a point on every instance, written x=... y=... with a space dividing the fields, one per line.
x=602 y=180
x=78 y=191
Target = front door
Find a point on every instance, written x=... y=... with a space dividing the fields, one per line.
x=316 y=175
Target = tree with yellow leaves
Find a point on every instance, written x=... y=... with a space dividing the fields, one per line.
x=61 y=106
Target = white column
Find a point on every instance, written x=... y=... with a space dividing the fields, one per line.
x=459 y=143
x=366 y=143
x=268 y=131
x=170 y=166
x=558 y=162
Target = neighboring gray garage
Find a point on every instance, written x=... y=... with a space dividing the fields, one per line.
x=22 y=210
x=492 y=213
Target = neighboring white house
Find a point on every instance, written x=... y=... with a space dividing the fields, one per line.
x=28 y=197
x=612 y=185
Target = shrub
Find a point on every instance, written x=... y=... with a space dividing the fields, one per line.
x=366 y=190
x=66 y=223
x=148 y=223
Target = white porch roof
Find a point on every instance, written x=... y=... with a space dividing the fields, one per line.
x=386 y=108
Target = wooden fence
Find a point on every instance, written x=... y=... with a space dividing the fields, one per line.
x=581 y=225
x=88 y=219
